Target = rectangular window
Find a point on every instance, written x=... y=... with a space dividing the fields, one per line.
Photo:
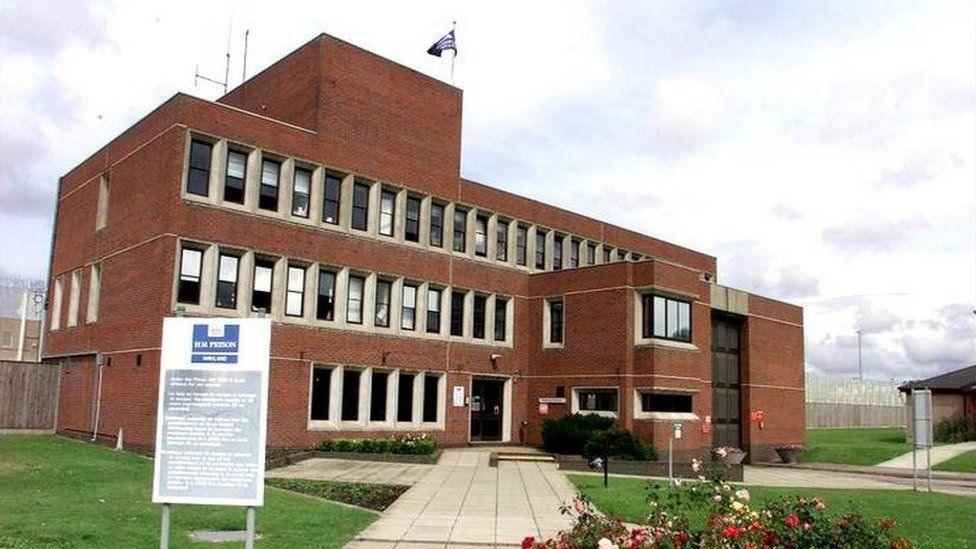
x=574 y=253
x=101 y=211
x=295 y=291
x=501 y=319
x=597 y=400
x=227 y=268
x=659 y=402
x=460 y=230
x=433 y=311
x=478 y=326
x=590 y=254
x=557 y=252
x=263 y=280
x=301 y=186
x=540 y=249
x=431 y=396
x=457 y=313
x=408 y=316
x=666 y=318
x=381 y=316
x=321 y=392
x=325 y=302
x=330 y=203
x=556 y=321
x=411 y=229
x=350 y=394
x=94 y=292
x=377 y=396
x=198 y=172
x=481 y=235
x=268 y=196
x=354 y=302
x=360 y=206
x=56 y=305
x=501 y=240
x=436 y=225
x=236 y=176
x=607 y=252
x=521 y=243
x=387 y=212
x=405 y=398
x=191 y=263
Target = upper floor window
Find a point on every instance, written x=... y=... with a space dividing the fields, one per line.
x=501 y=240
x=235 y=177
x=381 y=316
x=574 y=253
x=227 y=269
x=436 y=224
x=590 y=253
x=101 y=211
x=481 y=235
x=325 y=302
x=300 y=192
x=354 y=302
x=501 y=319
x=198 y=172
x=607 y=252
x=556 y=321
x=478 y=326
x=460 y=230
x=540 y=249
x=263 y=281
x=521 y=244
x=191 y=265
x=330 y=203
x=666 y=318
x=268 y=195
x=557 y=252
x=433 y=311
x=408 y=315
x=295 y=291
x=411 y=228
x=457 y=313
x=360 y=206
x=387 y=212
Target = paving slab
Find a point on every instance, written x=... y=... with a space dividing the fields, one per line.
x=939 y=454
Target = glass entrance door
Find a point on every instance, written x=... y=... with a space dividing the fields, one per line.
x=486 y=409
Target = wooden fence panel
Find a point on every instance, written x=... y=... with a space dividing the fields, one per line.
x=28 y=395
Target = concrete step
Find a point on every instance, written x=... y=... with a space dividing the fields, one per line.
x=526 y=457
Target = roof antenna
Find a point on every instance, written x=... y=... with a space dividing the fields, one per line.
x=197 y=76
x=244 y=69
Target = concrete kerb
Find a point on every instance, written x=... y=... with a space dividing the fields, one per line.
x=964 y=478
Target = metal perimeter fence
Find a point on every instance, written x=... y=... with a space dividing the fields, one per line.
x=833 y=401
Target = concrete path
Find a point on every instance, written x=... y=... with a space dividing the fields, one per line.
x=462 y=501
x=939 y=454
x=375 y=472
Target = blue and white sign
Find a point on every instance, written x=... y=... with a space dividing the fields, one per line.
x=212 y=413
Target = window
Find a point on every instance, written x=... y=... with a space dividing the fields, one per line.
x=56 y=306
x=433 y=311
x=227 y=269
x=321 y=391
x=481 y=236
x=411 y=229
x=478 y=326
x=457 y=313
x=660 y=402
x=188 y=290
x=360 y=206
x=354 y=302
x=501 y=240
x=325 y=302
x=501 y=318
x=405 y=397
x=431 y=396
x=268 y=196
x=597 y=400
x=236 y=176
x=300 y=190
x=607 y=252
x=460 y=229
x=574 y=253
x=74 y=298
x=540 y=249
x=198 y=172
x=556 y=321
x=295 y=291
x=377 y=396
x=666 y=318
x=330 y=203
x=381 y=316
x=636 y=257
x=350 y=394
x=263 y=277
x=557 y=252
x=408 y=316
x=436 y=225
x=590 y=253
x=94 y=292
x=387 y=212
x=101 y=211
x=521 y=243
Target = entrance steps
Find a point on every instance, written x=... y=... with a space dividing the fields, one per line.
x=516 y=456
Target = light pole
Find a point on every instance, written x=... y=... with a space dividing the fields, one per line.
x=860 y=365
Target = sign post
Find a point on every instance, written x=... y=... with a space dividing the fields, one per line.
x=921 y=432
x=675 y=434
x=212 y=415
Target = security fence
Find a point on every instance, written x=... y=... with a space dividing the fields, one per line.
x=834 y=401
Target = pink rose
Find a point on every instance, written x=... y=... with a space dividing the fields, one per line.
x=792 y=521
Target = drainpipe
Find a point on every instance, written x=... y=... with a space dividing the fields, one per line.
x=98 y=396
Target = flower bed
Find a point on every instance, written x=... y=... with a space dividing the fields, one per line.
x=405 y=444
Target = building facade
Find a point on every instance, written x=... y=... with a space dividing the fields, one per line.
x=19 y=341
x=325 y=193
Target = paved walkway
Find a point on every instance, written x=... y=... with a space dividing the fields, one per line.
x=939 y=454
x=376 y=472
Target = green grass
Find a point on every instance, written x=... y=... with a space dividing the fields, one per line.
x=371 y=496
x=56 y=492
x=963 y=463
x=929 y=520
x=855 y=446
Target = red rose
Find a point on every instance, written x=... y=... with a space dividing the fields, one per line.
x=792 y=521
x=731 y=532
x=528 y=542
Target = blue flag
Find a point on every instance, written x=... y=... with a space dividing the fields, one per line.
x=445 y=43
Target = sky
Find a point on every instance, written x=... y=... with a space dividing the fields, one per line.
x=825 y=153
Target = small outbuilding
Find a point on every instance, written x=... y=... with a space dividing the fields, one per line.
x=953 y=395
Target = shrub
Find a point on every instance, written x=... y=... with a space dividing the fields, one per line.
x=404 y=444
x=570 y=434
x=622 y=445
x=953 y=430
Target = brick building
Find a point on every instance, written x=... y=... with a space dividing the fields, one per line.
x=325 y=192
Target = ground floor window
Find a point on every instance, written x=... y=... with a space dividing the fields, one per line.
x=350 y=395
x=662 y=402
x=431 y=394
x=596 y=400
x=338 y=394
x=321 y=389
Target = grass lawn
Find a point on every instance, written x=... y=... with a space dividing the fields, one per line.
x=868 y=446
x=963 y=463
x=56 y=492
x=929 y=520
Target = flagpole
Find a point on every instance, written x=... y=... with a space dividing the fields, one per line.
x=454 y=51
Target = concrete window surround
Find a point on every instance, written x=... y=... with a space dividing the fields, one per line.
x=94 y=293
x=639 y=412
x=639 y=338
x=255 y=155
x=101 y=212
x=74 y=297
x=208 y=291
x=56 y=304
x=363 y=423
x=575 y=404
x=547 y=323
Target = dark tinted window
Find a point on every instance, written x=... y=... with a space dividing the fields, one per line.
x=350 y=395
x=666 y=318
x=377 y=397
x=412 y=225
x=301 y=187
x=457 y=313
x=227 y=270
x=656 y=402
x=557 y=252
x=501 y=241
x=198 y=173
x=330 y=204
x=321 y=385
x=501 y=306
x=235 y=177
x=430 y=397
x=191 y=264
x=405 y=397
x=555 y=322
x=433 y=311
x=521 y=241
x=437 y=225
x=268 y=196
x=387 y=212
x=481 y=236
x=360 y=206
x=478 y=326
x=597 y=400
x=460 y=230
x=325 y=301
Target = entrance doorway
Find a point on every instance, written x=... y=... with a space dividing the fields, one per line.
x=726 y=421
x=487 y=409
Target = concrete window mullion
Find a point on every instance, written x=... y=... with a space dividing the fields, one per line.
x=365 y=392
x=369 y=300
x=316 y=195
x=279 y=284
x=420 y=317
x=286 y=183
x=246 y=282
x=442 y=400
x=400 y=215
x=418 y=401
x=468 y=314
x=491 y=237
x=373 y=215
x=550 y=246
x=345 y=202
x=309 y=297
x=530 y=242
x=469 y=230
x=252 y=180
x=218 y=170
x=512 y=236
x=396 y=305
x=335 y=394
x=341 y=302
x=425 y=222
x=208 y=277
